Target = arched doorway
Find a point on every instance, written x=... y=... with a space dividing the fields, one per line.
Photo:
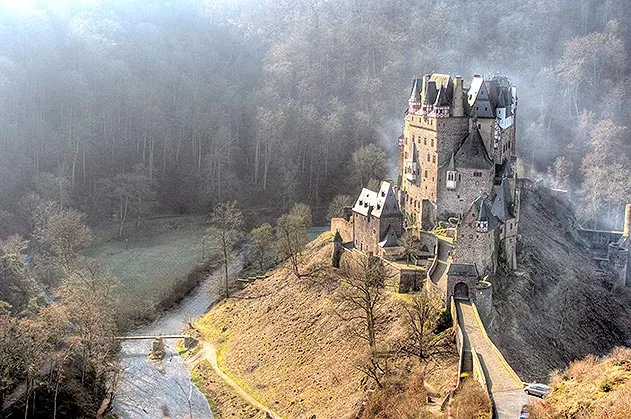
x=461 y=291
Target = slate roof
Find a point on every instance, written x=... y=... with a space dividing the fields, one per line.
x=366 y=202
x=389 y=239
x=463 y=269
x=376 y=204
x=439 y=90
x=472 y=152
x=432 y=92
x=502 y=205
x=482 y=205
x=415 y=96
x=452 y=164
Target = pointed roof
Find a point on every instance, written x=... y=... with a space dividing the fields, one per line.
x=442 y=98
x=472 y=152
x=451 y=165
x=479 y=98
x=432 y=92
x=503 y=202
x=482 y=213
x=415 y=96
x=481 y=208
x=389 y=239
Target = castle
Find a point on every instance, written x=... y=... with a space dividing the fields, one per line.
x=456 y=164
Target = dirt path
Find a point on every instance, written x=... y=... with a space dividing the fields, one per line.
x=209 y=353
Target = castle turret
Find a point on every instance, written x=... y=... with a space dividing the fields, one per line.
x=458 y=107
x=414 y=103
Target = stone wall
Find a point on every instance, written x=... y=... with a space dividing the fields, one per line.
x=344 y=227
x=435 y=140
x=469 y=278
x=474 y=247
x=483 y=298
x=454 y=202
x=366 y=231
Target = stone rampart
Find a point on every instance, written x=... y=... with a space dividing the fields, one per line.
x=344 y=227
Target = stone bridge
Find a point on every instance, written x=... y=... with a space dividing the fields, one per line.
x=481 y=360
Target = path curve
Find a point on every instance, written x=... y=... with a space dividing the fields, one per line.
x=209 y=353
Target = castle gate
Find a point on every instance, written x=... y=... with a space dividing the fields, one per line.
x=461 y=291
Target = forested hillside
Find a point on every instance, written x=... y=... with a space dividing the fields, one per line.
x=122 y=107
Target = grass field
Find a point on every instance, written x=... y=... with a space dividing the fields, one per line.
x=152 y=263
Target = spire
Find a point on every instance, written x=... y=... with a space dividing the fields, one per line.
x=482 y=215
x=415 y=97
x=452 y=164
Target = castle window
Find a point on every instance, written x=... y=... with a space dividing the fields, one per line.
x=425 y=174
x=479 y=126
x=424 y=141
x=477 y=174
x=433 y=159
x=432 y=142
x=451 y=180
x=406 y=154
x=427 y=156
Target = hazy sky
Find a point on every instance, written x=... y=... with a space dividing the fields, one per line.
x=25 y=5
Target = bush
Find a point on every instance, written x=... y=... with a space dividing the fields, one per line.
x=471 y=401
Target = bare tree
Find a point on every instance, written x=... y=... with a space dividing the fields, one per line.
x=64 y=234
x=361 y=296
x=87 y=292
x=423 y=315
x=411 y=245
x=14 y=286
x=337 y=205
x=129 y=192
x=224 y=233
x=291 y=235
x=262 y=242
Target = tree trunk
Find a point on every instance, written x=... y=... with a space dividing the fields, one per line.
x=225 y=263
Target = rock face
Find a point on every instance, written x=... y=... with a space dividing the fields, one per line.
x=558 y=306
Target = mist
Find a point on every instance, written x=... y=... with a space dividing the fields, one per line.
x=265 y=102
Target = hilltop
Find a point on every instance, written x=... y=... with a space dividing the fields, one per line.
x=591 y=388
x=281 y=340
x=558 y=306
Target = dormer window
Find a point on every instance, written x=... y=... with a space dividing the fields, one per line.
x=482 y=226
x=451 y=179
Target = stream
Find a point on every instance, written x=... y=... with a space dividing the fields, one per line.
x=155 y=389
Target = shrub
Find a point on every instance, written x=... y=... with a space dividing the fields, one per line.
x=471 y=401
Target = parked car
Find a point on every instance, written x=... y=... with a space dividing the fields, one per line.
x=540 y=390
x=524 y=412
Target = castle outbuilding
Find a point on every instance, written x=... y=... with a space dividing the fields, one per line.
x=374 y=224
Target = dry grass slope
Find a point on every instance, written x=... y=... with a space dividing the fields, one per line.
x=591 y=388
x=281 y=340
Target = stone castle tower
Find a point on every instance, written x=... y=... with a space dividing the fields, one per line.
x=456 y=158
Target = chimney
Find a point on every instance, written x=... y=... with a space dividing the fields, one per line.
x=627 y=220
x=458 y=107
